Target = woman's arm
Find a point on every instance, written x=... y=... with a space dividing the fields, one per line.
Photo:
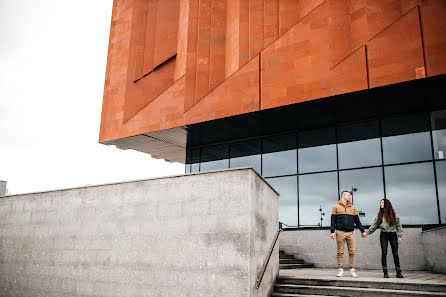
x=399 y=228
x=373 y=227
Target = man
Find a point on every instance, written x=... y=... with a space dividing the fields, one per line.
x=344 y=217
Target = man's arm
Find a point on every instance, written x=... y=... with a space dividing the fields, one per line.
x=334 y=215
x=357 y=220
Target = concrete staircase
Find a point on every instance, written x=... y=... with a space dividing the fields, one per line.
x=289 y=286
x=287 y=261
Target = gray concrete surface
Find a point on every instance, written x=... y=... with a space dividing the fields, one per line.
x=202 y=234
x=316 y=246
x=2 y=188
x=434 y=243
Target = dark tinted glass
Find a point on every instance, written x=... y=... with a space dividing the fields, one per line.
x=287 y=188
x=360 y=131
x=213 y=153
x=412 y=123
x=279 y=163
x=320 y=158
x=317 y=191
x=187 y=168
x=195 y=167
x=370 y=191
x=247 y=161
x=411 y=189
x=278 y=143
x=407 y=148
x=246 y=154
x=214 y=165
x=359 y=153
x=439 y=141
x=317 y=137
x=441 y=182
x=438 y=120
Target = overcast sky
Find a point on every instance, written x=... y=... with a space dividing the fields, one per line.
x=52 y=69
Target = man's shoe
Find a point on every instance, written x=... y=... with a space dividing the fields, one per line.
x=353 y=273
x=386 y=273
x=340 y=272
x=398 y=273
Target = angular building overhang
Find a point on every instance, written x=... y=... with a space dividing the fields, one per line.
x=179 y=65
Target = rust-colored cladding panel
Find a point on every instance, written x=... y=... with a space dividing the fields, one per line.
x=191 y=59
x=396 y=53
x=166 y=35
x=271 y=21
x=204 y=39
x=433 y=19
x=239 y=56
x=141 y=11
x=149 y=44
x=218 y=44
x=255 y=27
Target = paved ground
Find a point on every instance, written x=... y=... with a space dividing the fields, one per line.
x=368 y=275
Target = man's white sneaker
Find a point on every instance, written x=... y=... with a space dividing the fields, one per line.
x=353 y=273
x=340 y=273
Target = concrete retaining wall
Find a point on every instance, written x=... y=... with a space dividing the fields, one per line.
x=316 y=246
x=2 y=188
x=194 y=235
x=434 y=249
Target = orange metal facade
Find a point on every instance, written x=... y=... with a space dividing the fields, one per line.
x=173 y=63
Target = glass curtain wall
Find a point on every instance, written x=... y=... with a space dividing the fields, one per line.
x=401 y=158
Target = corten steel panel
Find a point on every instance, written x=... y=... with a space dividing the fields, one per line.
x=433 y=20
x=314 y=49
x=396 y=53
x=204 y=38
x=271 y=21
x=166 y=36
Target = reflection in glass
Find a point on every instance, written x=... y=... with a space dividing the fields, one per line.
x=317 y=191
x=214 y=153
x=214 y=165
x=359 y=153
x=320 y=158
x=287 y=188
x=187 y=168
x=195 y=167
x=369 y=183
x=441 y=183
x=248 y=161
x=407 y=148
x=246 y=153
x=279 y=163
x=439 y=140
x=411 y=189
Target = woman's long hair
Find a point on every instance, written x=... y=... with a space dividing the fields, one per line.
x=387 y=212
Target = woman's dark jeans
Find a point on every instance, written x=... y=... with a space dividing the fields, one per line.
x=391 y=237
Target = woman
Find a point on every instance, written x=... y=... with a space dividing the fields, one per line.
x=391 y=231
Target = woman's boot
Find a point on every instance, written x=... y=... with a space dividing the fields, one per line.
x=386 y=273
x=398 y=273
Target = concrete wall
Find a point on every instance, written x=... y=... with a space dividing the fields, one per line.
x=316 y=246
x=434 y=249
x=193 y=235
x=2 y=188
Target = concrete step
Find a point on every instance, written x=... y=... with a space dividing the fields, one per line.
x=387 y=284
x=351 y=292
x=298 y=295
x=291 y=261
x=285 y=256
x=295 y=266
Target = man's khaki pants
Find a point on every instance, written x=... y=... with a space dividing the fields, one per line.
x=341 y=238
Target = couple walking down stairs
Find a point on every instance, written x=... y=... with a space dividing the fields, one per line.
x=297 y=278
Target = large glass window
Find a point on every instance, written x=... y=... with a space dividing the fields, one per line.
x=411 y=189
x=369 y=191
x=287 y=188
x=320 y=158
x=438 y=121
x=279 y=155
x=317 y=195
x=246 y=153
x=317 y=150
x=359 y=153
x=441 y=183
x=407 y=148
x=214 y=157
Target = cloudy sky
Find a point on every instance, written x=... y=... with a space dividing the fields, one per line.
x=52 y=68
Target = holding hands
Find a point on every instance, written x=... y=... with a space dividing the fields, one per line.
x=364 y=234
x=399 y=240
